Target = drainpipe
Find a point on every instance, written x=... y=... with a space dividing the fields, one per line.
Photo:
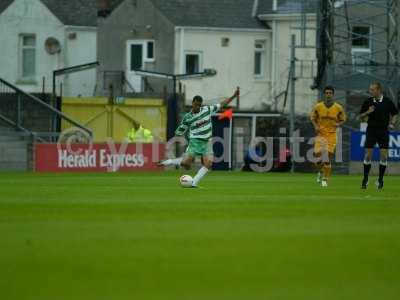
x=274 y=58
x=181 y=52
x=274 y=54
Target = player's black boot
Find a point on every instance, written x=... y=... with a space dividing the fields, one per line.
x=382 y=170
x=367 y=168
x=364 y=183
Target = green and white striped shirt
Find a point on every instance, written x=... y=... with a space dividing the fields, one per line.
x=200 y=124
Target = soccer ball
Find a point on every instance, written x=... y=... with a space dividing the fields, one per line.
x=186 y=181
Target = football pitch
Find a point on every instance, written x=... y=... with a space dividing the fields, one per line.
x=241 y=236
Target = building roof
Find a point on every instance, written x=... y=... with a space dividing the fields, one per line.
x=287 y=6
x=4 y=4
x=69 y=12
x=210 y=13
x=74 y=12
x=206 y=13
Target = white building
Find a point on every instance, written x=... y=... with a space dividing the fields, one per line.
x=245 y=41
x=185 y=37
x=40 y=36
x=256 y=58
x=286 y=18
x=241 y=56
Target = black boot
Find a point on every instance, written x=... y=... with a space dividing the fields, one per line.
x=367 y=168
x=382 y=169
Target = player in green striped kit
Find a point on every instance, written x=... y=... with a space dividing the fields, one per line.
x=199 y=124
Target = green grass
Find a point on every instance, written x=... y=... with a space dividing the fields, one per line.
x=242 y=236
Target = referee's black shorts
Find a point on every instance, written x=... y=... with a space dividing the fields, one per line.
x=377 y=136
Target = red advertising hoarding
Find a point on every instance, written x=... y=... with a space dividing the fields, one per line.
x=98 y=157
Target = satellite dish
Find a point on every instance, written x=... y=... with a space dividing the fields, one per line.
x=52 y=46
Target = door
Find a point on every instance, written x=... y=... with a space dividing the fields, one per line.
x=134 y=62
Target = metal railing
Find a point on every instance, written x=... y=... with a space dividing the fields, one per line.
x=31 y=115
x=116 y=82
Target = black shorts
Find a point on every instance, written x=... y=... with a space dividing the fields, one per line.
x=380 y=137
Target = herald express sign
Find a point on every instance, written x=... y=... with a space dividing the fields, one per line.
x=97 y=157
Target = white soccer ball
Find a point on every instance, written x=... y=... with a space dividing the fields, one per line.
x=186 y=181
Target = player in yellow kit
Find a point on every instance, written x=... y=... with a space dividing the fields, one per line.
x=326 y=117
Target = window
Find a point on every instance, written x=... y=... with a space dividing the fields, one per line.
x=361 y=48
x=140 y=52
x=361 y=37
x=27 y=56
x=193 y=62
x=150 y=51
x=259 y=59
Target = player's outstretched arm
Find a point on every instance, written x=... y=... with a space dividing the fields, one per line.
x=230 y=99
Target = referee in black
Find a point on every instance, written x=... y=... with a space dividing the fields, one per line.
x=381 y=113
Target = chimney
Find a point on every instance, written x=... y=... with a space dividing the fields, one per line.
x=103 y=8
